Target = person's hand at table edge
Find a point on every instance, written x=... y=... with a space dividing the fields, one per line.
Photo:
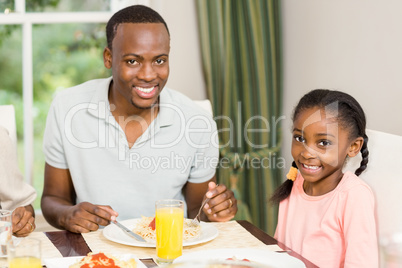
x=222 y=205
x=23 y=221
x=86 y=217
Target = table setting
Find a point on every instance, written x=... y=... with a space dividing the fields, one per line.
x=227 y=243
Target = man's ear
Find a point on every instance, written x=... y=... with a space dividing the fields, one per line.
x=107 y=58
x=355 y=146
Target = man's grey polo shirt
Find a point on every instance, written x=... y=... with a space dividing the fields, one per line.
x=81 y=135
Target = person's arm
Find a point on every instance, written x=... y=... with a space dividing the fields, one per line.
x=59 y=208
x=222 y=205
x=14 y=191
x=218 y=208
x=359 y=230
x=23 y=221
x=194 y=193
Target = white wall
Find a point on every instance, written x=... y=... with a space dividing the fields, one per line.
x=353 y=46
x=186 y=73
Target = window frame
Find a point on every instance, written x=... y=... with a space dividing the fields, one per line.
x=19 y=16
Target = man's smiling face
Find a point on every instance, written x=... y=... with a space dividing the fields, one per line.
x=140 y=62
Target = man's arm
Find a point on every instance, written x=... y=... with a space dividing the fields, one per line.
x=218 y=208
x=194 y=193
x=59 y=208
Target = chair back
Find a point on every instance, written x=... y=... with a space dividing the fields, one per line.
x=385 y=179
x=7 y=120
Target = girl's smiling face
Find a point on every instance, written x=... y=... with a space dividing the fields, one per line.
x=319 y=147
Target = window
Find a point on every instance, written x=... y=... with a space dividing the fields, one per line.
x=46 y=45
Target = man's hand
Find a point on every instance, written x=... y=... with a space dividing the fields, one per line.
x=222 y=205
x=23 y=221
x=86 y=217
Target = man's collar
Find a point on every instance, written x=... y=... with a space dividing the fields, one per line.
x=166 y=112
x=99 y=104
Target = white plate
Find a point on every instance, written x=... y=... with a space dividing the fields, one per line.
x=67 y=261
x=265 y=257
x=113 y=233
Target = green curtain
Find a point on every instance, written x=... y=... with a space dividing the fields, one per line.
x=241 y=52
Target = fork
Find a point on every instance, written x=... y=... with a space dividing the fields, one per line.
x=196 y=222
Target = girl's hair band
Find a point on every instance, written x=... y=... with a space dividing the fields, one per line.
x=292 y=172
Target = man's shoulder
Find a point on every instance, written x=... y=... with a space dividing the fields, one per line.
x=184 y=103
x=82 y=92
x=175 y=96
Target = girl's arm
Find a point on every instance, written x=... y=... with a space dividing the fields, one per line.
x=360 y=228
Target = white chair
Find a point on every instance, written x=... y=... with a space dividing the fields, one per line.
x=384 y=176
x=7 y=120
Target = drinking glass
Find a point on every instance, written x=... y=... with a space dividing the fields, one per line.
x=169 y=217
x=24 y=254
x=5 y=230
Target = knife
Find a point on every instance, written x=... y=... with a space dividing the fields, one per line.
x=129 y=232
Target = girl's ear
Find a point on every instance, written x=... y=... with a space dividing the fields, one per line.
x=107 y=58
x=355 y=147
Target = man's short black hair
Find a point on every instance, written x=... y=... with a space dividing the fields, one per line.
x=131 y=14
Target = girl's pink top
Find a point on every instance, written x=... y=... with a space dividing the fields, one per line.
x=337 y=229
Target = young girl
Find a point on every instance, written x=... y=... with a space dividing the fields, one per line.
x=325 y=215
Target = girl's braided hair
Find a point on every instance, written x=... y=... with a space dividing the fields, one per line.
x=350 y=116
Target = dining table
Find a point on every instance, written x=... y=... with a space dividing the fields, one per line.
x=232 y=234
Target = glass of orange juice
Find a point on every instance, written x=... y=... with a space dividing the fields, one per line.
x=169 y=217
x=24 y=254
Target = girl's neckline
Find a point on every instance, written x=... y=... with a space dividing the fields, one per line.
x=322 y=187
x=317 y=197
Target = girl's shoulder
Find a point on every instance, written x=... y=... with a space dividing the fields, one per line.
x=352 y=183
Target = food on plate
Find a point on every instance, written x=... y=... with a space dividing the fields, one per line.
x=146 y=228
x=101 y=260
x=241 y=262
x=236 y=259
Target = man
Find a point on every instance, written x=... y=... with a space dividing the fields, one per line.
x=15 y=194
x=125 y=142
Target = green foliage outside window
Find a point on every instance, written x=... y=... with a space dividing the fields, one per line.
x=64 y=55
x=31 y=6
